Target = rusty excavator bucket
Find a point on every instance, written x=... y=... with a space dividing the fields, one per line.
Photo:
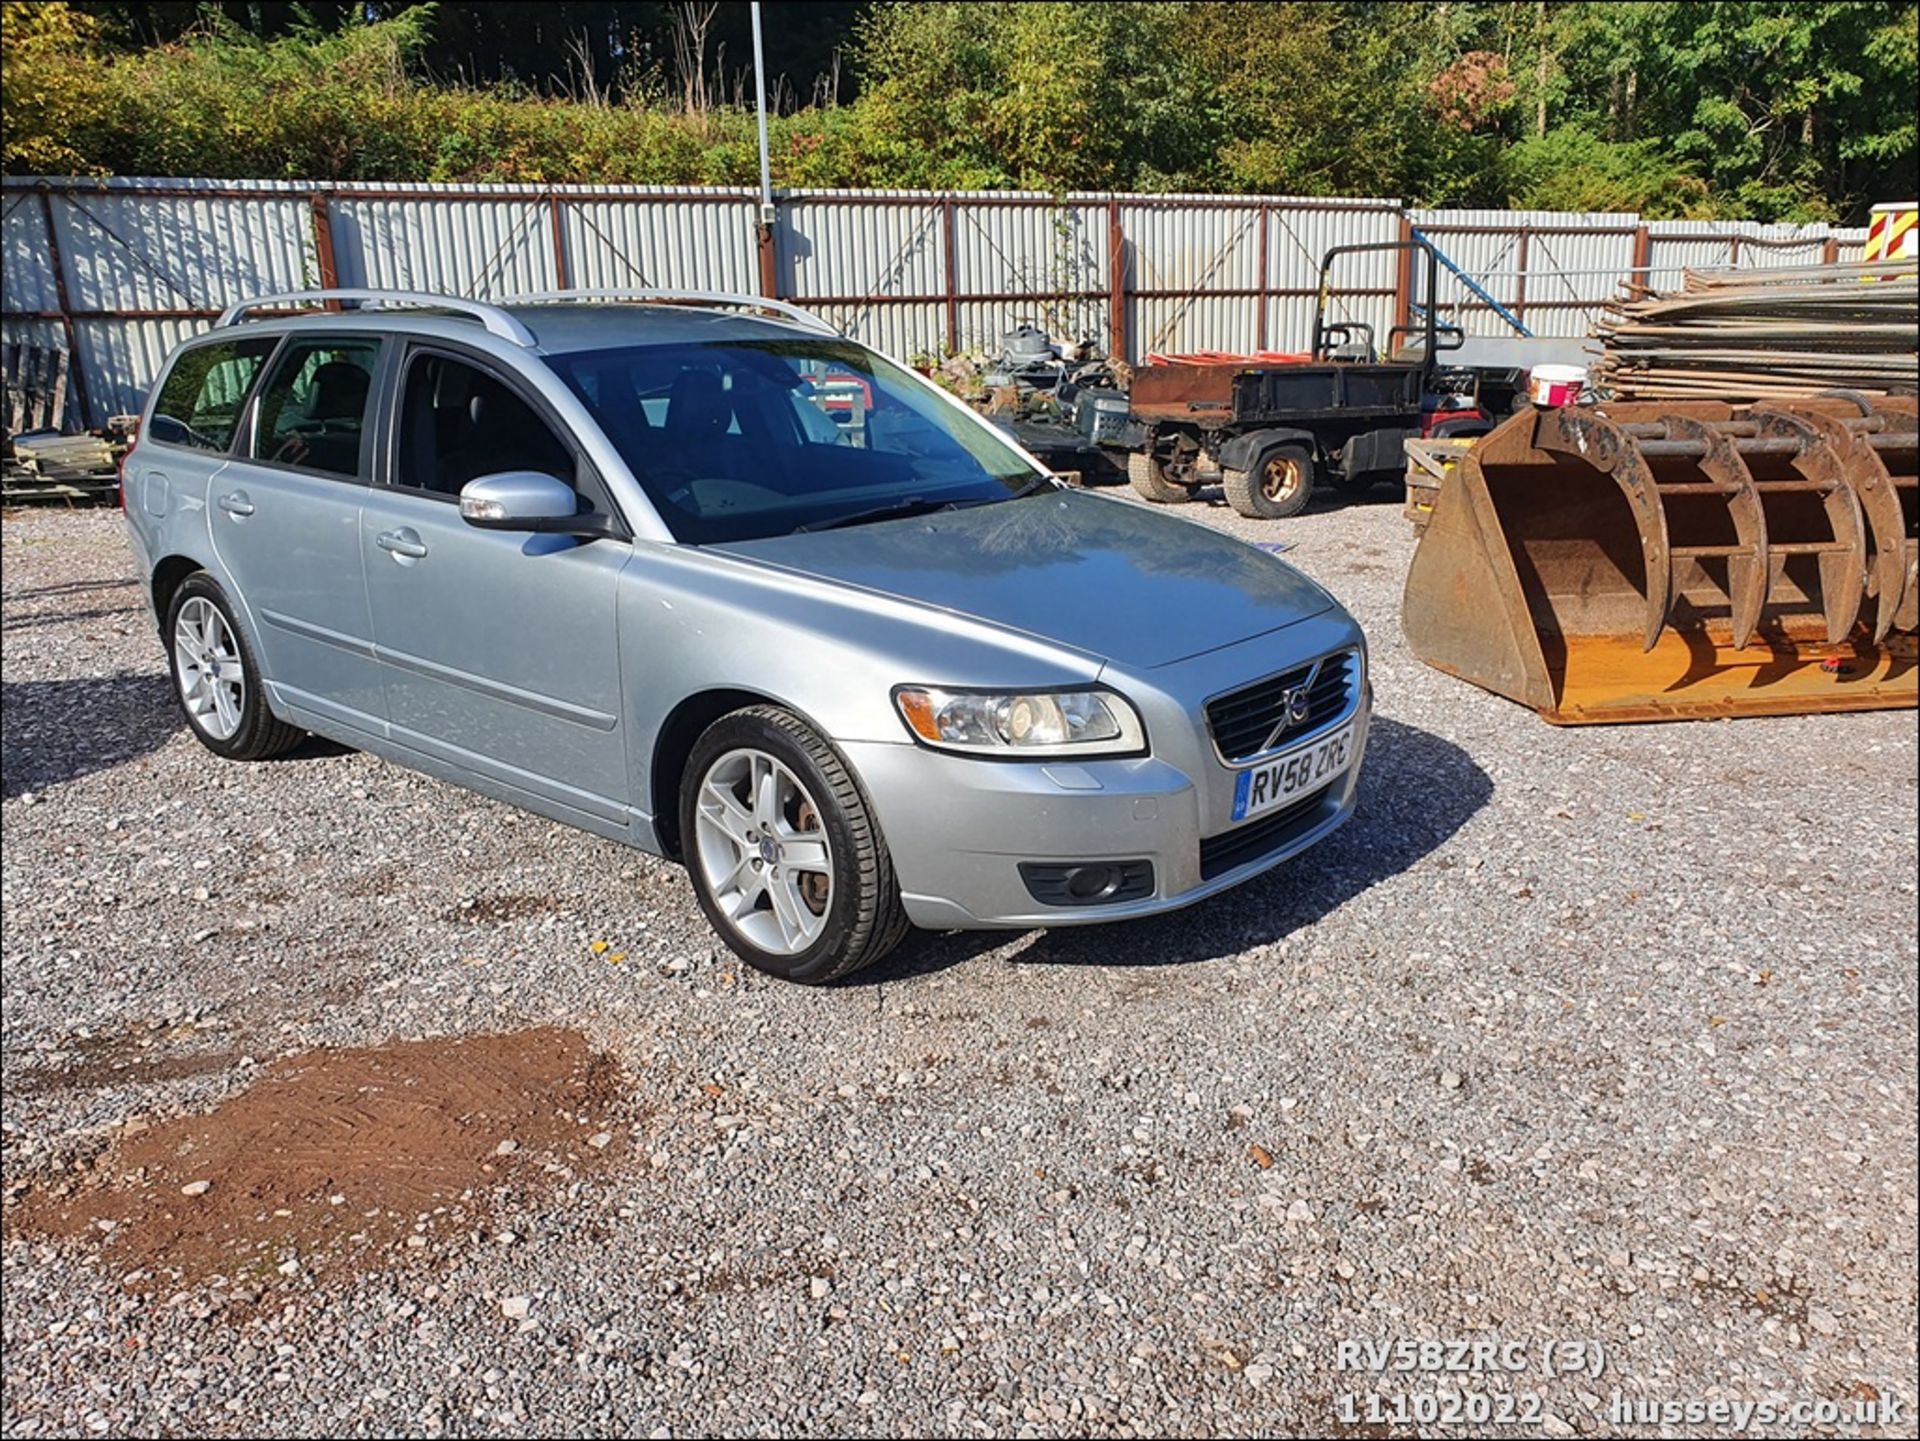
x=1679 y=559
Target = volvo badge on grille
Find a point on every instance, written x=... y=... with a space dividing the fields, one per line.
x=1295 y=707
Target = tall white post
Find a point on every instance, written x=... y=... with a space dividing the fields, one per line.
x=760 y=95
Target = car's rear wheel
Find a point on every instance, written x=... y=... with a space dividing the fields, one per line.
x=1278 y=484
x=216 y=678
x=786 y=856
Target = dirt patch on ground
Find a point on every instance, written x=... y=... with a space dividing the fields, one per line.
x=486 y=910
x=340 y=1158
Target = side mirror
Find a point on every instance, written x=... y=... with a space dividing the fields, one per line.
x=524 y=500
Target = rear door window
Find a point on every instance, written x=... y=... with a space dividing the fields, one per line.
x=201 y=399
x=314 y=407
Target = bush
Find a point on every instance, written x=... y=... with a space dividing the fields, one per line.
x=1568 y=169
x=1683 y=109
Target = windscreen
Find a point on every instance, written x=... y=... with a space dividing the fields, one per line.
x=743 y=439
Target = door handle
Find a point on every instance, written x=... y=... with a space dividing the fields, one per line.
x=404 y=543
x=235 y=502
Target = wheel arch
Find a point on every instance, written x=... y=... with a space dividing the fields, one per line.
x=168 y=576
x=673 y=743
x=1239 y=452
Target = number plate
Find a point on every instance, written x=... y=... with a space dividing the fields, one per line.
x=1275 y=782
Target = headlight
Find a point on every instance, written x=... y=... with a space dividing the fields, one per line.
x=1021 y=723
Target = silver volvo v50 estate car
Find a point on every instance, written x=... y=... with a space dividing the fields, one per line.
x=698 y=574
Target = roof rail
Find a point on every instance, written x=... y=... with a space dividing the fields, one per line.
x=496 y=320
x=783 y=308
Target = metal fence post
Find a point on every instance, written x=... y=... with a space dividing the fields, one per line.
x=769 y=258
x=951 y=274
x=323 y=241
x=1260 y=283
x=559 y=242
x=323 y=245
x=75 y=371
x=1520 y=280
x=1403 y=279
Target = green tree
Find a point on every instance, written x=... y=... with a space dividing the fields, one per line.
x=1791 y=99
x=53 y=92
x=1038 y=96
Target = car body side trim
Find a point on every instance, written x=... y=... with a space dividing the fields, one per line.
x=340 y=640
x=601 y=817
x=547 y=705
x=526 y=782
x=498 y=690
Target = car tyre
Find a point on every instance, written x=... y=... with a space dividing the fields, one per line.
x=822 y=917
x=1278 y=484
x=1149 y=480
x=216 y=677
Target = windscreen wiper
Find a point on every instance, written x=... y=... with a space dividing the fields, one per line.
x=922 y=505
x=1033 y=487
x=893 y=510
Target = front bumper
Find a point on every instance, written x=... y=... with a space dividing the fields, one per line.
x=958 y=826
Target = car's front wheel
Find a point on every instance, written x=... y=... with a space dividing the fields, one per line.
x=217 y=678
x=786 y=856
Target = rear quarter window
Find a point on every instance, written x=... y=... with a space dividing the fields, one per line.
x=201 y=399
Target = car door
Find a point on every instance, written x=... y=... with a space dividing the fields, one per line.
x=285 y=519
x=498 y=649
x=188 y=439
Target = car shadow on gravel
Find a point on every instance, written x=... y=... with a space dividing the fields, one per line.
x=60 y=730
x=53 y=731
x=1415 y=792
x=66 y=594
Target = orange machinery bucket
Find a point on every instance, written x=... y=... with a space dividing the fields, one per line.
x=1679 y=560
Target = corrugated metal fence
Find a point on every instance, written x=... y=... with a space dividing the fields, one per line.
x=118 y=271
x=1555 y=270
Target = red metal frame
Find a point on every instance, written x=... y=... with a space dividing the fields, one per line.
x=76 y=373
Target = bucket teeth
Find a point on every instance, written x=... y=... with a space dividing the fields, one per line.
x=1896 y=444
x=1747 y=564
x=1842 y=556
x=1862 y=470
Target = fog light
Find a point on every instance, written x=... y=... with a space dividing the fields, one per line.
x=1087 y=883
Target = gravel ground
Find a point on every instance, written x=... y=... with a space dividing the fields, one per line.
x=1601 y=1034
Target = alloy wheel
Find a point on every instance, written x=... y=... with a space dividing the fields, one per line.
x=763 y=852
x=208 y=669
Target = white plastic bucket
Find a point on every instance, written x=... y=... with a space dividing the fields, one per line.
x=1557 y=384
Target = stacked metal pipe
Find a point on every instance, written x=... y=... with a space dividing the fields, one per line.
x=1774 y=334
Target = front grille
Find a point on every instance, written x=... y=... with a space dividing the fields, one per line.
x=1243 y=720
x=1222 y=853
